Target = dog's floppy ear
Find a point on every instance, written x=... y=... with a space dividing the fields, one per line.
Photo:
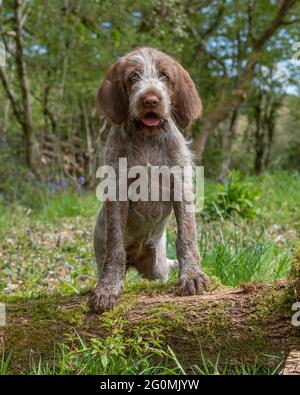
x=187 y=103
x=112 y=98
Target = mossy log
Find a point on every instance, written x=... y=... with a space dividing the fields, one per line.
x=240 y=324
x=292 y=365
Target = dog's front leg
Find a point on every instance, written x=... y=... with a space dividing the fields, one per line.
x=192 y=279
x=108 y=289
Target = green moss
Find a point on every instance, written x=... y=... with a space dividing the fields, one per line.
x=274 y=301
x=180 y=326
x=169 y=323
x=178 y=323
x=215 y=283
x=73 y=315
x=168 y=316
x=38 y=324
x=295 y=270
x=149 y=288
x=218 y=322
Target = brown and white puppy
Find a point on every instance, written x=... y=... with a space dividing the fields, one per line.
x=147 y=96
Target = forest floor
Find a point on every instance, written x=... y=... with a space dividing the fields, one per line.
x=46 y=248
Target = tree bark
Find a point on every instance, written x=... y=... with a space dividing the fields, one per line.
x=241 y=324
x=227 y=146
x=292 y=365
x=32 y=147
x=11 y=96
x=270 y=118
x=259 y=133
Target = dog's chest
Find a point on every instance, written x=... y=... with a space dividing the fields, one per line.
x=148 y=216
x=148 y=155
x=148 y=171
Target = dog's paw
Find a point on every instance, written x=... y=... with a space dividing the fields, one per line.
x=193 y=283
x=103 y=299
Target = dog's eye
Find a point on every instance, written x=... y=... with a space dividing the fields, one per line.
x=134 y=77
x=163 y=77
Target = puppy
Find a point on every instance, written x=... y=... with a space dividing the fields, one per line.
x=148 y=97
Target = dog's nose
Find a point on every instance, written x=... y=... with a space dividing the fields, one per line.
x=151 y=101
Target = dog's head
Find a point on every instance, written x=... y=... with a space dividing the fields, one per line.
x=148 y=88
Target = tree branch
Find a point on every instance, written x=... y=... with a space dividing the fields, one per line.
x=11 y=95
x=284 y=7
x=234 y=99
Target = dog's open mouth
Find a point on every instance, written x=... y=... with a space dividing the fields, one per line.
x=151 y=120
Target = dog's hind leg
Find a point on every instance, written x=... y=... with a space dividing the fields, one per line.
x=153 y=263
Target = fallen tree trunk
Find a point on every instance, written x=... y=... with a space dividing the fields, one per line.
x=292 y=365
x=240 y=324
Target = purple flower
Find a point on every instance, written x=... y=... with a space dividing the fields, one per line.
x=81 y=180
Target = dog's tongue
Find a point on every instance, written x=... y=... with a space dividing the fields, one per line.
x=151 y=120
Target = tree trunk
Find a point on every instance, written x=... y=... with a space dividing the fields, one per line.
x=227 y=146
x=270 y=119
x=224 y=108
x=31 y=144
x=259 y=134
x=241 y=324
x=90 y=150
x=4 y=123
x=292 y=366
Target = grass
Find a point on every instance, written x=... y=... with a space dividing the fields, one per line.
x=5 y=364
x=46 y=246
x=114 y=356
x=135 y=356
x=69 y=205
x=236 y=256
x=208 y=367
x=280 y=201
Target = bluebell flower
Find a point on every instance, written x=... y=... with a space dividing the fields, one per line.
x=106 y=25
x=81 y=180
x=137 y=14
